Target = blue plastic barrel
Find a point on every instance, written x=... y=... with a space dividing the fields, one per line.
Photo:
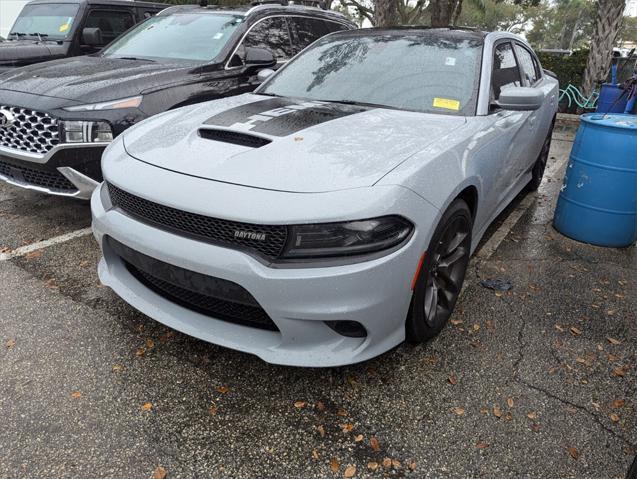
x=598 y=199
x=612 y=99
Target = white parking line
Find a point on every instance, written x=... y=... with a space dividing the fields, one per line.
x=505 y=228
x=24 y=250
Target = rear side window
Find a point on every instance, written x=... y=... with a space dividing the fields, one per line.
x=506 y=73
x=272 y=34
x=335 y=27
x=306 y=31
x=112 y=23
x=528 y=65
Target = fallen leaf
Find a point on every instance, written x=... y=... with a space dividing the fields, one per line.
x=476 y=327
x=315 y=454
x=614 y=417
x=508 y=416
x=372 y=466
x=453 y=380
x=482 y=445
x=510 y=402
x=334 y=465
x=619 y=372
x=497 y=412
x=358 y=438
x=212 y=410
x=298 y=138
x=140 y=352
x=223 y=389
x=375 y=445
x=484 y=410
x=575 y=331
x=320 y=406
x=456 y=322
x=10 y=343
x=387 y=462
x=165 y=337
x=321 y=430
x=150 y=344
x=618 y=403
x=84 y=264
x=117 y=367
x=34 y=254
x=159 y=473
x=412 y=466
x=147 y=406
x=76 y=395
x=532 y=415
x=396 y=463
x=299 y=404
x=347 y=427
x=457 y=410
x=613 y=341
x=350 y=471
x=341 y=412
x=611 y=312
x=574 y=453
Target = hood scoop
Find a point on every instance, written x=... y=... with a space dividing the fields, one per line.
x=234 y=137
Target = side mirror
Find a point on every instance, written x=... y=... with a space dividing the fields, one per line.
x=92 y=37
x=520 y=99
x=258 y=57
x=264 y=74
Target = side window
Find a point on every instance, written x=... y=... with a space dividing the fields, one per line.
x=273 y=34
x=335 y=27
x=506 y=73
x=112 y=23
x=528 y=65
x=306 y=31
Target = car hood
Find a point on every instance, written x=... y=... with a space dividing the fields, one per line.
x=18 y=52
x=285 y=144
x=92 y=79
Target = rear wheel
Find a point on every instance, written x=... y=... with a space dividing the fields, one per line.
x=540 y=163
x=443 y=270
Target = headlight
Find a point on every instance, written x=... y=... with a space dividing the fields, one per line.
x=347 y=238
x=132 y=102
x=87 y=131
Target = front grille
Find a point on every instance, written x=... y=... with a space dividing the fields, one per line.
x=267 y=240
x=215 y=297
x=31 y=131
x=52 y=180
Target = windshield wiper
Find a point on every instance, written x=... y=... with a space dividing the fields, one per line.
x=358 y=103
x=39 y=35
x=135 y=58
x=18 y=34
x=269 y=94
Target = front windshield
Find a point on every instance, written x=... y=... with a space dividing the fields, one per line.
x=426 y=71
x=182 y=36
x=50 y=21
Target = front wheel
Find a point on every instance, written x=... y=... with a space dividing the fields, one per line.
x=540 y=163
x=443 y=270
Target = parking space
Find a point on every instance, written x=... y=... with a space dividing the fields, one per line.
x=537 y=380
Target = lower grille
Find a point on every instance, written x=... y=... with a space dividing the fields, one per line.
x=215 y=297
x=268 y=240
x=52 y=180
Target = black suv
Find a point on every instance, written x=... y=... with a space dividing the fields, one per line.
x=51 y=29
x=57 y=117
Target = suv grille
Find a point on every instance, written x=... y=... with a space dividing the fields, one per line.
x=215 y=297
x=32 y=131
x=52 y=180
x=267 y=240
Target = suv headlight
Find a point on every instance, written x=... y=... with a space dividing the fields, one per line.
x=346 y=238
x=132 y=102
x=87 y=131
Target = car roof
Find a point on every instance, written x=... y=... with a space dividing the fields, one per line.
x=260 y=7
x=456 y=32
x=105 y=2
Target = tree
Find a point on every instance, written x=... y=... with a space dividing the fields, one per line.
x=607 y=24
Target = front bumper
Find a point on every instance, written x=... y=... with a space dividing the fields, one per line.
x=375 y=293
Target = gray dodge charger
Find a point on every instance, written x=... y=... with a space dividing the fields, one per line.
x=330 y=215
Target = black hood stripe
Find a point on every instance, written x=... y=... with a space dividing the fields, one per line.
x=281 y=116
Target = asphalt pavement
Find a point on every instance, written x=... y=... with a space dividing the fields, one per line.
x=539 y=381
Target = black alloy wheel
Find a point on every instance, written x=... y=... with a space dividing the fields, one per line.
x=540 y=163
x=442 y=274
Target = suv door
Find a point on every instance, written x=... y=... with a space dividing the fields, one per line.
x=111 y=21
x=271 y=33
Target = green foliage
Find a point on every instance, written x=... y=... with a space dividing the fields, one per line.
x=568 y=69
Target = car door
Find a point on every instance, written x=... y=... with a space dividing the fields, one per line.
x=515 y=131
x=112 y=22
x=305 y=31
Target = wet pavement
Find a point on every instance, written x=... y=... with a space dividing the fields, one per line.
x=538 y=381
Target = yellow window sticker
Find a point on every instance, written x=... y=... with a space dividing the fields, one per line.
x=447 y=104
x=64 y=27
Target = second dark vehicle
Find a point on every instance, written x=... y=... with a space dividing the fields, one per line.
x=57 y=117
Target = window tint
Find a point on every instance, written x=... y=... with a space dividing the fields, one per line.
x=506 y=73
x=111 y=23
x=306 y=31
x=526 y=62
x=334 y=26
x=272 y=34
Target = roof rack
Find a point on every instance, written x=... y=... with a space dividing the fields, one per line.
x=307 y=3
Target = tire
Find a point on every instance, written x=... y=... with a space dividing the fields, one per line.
x=540 y=163
x=441 y=275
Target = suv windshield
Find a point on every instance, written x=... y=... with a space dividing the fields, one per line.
x=51 y=21
x=426 y=71
x=187 y=36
